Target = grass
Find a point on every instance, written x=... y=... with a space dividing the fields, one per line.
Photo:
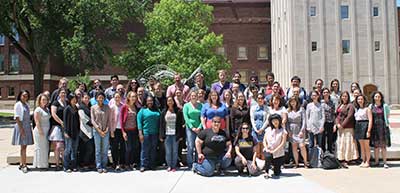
x=2 y=114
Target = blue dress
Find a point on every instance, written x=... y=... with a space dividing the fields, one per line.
x=258 y=117
x=26 y=123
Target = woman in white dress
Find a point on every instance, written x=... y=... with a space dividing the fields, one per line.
x=42 y=119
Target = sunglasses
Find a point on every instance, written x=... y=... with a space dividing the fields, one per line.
x=245 y=128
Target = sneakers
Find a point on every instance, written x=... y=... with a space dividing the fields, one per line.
x=100 y=170
x=24 y=169
x=385 y=166
x=142 y=169
x=221 y=173
x=68 y=170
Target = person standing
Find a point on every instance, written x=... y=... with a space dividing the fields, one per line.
x=130 y=131
x=328 y=106
x=101 y=118
x=56 y=135
x=222 y=84
x=71 y=134
x=315 y=117
x=148 y=122
x=362 y=129
x=116 y=138
x=380 y=132
x=42 y=118
x=259 y=118
x=297 y=130
x=86 y=144
x=335 y=92
x=171 y=132
x=239 y=114
x=346 y=148
x=171 y=90
x=109 y=92
x=22 y=134
x=213 y=108
x=192 y=114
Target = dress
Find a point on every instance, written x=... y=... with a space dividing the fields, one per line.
x=41 y=156
x=56 y=134
x=296 y=124
x=380 y=134
x=22 y=111
x=259 y=120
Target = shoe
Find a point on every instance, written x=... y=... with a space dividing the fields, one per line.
x=105 y=171
x=117 y=168
x=100 y=170
x=74 y=170
x=295 y=166
x=385 y=166
x=221 y=173
x=345 y=166
x=24 y=169
x=267 y=176
x=58 y=168
x=68 y=170
x=169 y=169
x=173 y=170
x=142 y=169
x=361 y=165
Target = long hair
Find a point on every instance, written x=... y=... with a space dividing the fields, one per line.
x=357 y=105
x=39 y=98
x=373 y=96
x=272 y=117
x=297 y=107
x=278 y=97
x=236 y=103
x=175 y=106
x=154 y=107
x=338 y=83
x=209 y=98
x=21 y=93
x=240 y=132
x=348 y=97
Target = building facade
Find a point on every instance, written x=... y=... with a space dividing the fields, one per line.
x=351 y=40
x=245 y=25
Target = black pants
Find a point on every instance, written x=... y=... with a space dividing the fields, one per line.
x=86 y=152
x=276 y=162
x=328 y=137
x=132 y=148
x=117 y=148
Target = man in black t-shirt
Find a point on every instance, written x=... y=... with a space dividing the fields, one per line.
x=213 y=147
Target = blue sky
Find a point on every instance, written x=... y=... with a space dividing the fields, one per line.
x=398 y=2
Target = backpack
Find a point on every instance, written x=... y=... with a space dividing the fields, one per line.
x=329 y=161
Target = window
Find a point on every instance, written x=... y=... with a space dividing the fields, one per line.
x=242 y=53
x=314 y=46
x=11 y=92
x=344 y=11
x=1 y=63
x=375 y=12
x=313 y=11
x=221 y=51
x=2 y=40
x=262 y=53
x=345 y=46
x=14 y=67
x=377 y=46
x=16 y=35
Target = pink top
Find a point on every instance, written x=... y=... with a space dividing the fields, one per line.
x=274 y=138
x=185 y=91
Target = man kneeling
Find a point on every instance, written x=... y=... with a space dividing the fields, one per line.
x=213 y=147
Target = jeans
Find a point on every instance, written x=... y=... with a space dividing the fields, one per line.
x=101 y=148
x=149 y=151
x=207 y=167
x=132 y=147
x=311 y=139
x=117 y=148
x=276 y=162
x=328 y=137
x=71 y=153
x=191 y=155
x=171 y=151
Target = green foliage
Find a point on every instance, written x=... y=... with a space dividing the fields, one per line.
x=77 y=32
x=177 y=35
x=74 y=83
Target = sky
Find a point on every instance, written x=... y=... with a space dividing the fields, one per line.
x=398 y=3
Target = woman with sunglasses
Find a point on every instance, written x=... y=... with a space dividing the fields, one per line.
x=245 y=151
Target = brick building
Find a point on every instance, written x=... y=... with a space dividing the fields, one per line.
x=245 y=25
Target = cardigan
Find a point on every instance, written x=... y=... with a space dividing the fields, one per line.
x=178 y=125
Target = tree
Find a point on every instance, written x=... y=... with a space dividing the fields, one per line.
x=72 y=30
x=177 y=35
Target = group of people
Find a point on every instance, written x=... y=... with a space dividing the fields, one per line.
x=220 y=125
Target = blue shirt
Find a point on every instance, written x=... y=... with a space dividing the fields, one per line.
x=209 y=112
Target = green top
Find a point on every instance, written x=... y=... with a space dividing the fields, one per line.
x=148 y=121
x=192 y=115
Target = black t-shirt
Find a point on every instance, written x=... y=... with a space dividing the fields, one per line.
x=59 y=112
x=214 y=143
x=246 y=147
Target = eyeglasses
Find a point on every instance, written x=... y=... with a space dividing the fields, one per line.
x=245 y=128
x=260 y=98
